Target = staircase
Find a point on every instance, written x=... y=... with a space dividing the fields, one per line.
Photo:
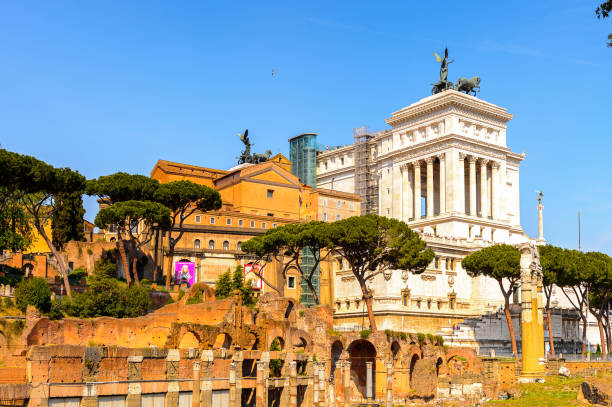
x=485 y=333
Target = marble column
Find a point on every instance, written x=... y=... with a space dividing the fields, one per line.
x=460 y=185
x=389 y=398
x=472 y=161
x=494 y=188
x=417 y=190
x=195 y=398
x=484 y=210
x=380 y=194
x=369 y=382
x=404 y=203
x=442 y=158
x=430 y=187
x=347 y=384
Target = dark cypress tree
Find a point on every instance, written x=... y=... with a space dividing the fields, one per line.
x=223 y=286
x=67 y=223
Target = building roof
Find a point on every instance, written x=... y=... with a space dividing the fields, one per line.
x=187 y=169
x=338 y=194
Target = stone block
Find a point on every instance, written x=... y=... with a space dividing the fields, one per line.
x=424 y=378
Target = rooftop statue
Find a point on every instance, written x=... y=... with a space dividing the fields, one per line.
x=443 y=84
x=467 y=85
x=246 y=156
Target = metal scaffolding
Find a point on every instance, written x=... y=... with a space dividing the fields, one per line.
x=366 y=182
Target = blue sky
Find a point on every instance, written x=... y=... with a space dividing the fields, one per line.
x=114 y=86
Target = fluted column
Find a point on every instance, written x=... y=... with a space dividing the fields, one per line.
x=483 y=189
x=460 y=185
x=472 y=161
x=494 y=188
x=405 y=193
x=442 y=183
x=380 y=194
x=417 y=190
x=430 y=187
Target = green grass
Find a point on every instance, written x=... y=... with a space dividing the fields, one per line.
x=557 y=391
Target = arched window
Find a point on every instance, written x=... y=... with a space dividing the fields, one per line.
x=196 y=244
x=211 y=244
x=239 y=246
x=226 y=245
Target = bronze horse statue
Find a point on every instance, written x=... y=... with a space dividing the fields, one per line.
x=468 y=85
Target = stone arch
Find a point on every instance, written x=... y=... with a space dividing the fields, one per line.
x=413 y=360
x=439 y=366
x=252 y=342
x=223 y=340
x=395 y=348
x=336 y=352
x=466 y=356
x=189 y=340
x=299 y=346
x=361 y=352
x=280 y=342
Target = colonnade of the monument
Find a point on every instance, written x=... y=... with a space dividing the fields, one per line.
x=477 y=176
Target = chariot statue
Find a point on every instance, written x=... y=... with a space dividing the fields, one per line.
x=467 y=85
x=246 y=156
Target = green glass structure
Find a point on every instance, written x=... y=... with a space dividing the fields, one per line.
x=303 y=156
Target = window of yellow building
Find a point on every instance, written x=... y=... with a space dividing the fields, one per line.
x=228 y=221
x=291 y=282
x=212 y=220
x=198 y=218
x=211 y=245
x=240 y=222
x=270 y=193
x=196 y=244
x=225 y=245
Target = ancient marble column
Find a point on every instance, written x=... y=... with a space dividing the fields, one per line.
x=532 y=321
x=472 y=161
x=459 y=190
x=347 y=384
x=442 y=183
x=389 y=398
x=260 y=400
x=494 y=188
x=430 y=187
x=293 y=384
x=207 y=362
x=315 y=384
x=195 y=399
x=369 y=383
x=483 y=188
x=232 y=384
x=417 y=190
x=133 y=398
x=405 y=194
x=172 y=375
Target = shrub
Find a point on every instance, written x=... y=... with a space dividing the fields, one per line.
x=8 y=302
x=223 y=286
x=33 y=291
x=439 y=340
x=431 y=338
x=77 y=275
x=181 y=294
x=107 y=296
x=365 y=334
x=197 y=298
x=56 y=311
x=137 y=301
x=421 y=338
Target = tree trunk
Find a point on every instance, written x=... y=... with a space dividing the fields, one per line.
x=60 y=260
x=584 y=328
x=314 y=292
x=602 y=339
x=368 y=300
x=124 y=261
x=134 y=262
x=135 y=270
x=169 y=268
x=550 y=334
x=510 y=327
x=609 y=333
x=155 y=266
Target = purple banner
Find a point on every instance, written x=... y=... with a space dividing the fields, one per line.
x=184 y=272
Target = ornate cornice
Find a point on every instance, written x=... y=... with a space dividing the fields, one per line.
x=450 y=99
